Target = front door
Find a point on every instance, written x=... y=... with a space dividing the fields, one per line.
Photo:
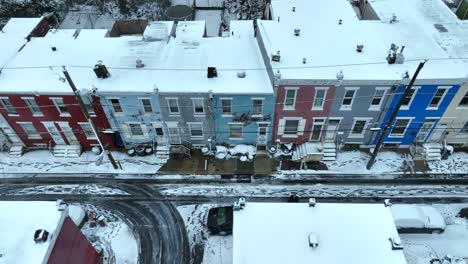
x=54 y=133
x=262 y=134
x=332 y=128
x=68 y=132
x=160 y=134
x=174 y=135
x=317 y=127
x=425 y=130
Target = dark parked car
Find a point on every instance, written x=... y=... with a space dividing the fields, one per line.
x=220 y=221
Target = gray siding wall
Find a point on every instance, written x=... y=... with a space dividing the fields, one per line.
x=360 y=109
x=187 y=115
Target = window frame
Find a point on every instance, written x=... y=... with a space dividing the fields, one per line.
x=190 y=124
x=241 y=125
x=8 y=107
x=54 y=100
x=364 y=128
x=316 y=121
x=324 y=99
x=293 y=106
x=400 y=135
x=129 y=124
x=91 y=135
x=378 y=107
x=31 y=107
x=262 y=106
x=348 y=107
x=446 y=88
x=464 y=98
x=31 y=136
x=202 y=100
x=226 y=114
x=415 y=89
x=145 y=112
x=297 y=127
x=121 y=112
x=168 y=100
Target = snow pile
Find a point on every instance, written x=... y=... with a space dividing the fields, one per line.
x=356 y=161
x=244 y=152
x=456 y=163
x=91 y=189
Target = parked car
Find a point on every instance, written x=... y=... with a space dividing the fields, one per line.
x=220 y=220
x=417 y=219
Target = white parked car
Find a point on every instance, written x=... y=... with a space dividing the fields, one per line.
x=417 y=219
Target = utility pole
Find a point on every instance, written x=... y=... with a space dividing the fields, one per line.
x=90 y=121
x=393 y=116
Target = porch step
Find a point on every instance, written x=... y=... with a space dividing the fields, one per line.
x=16 y=151
x=329 y=154
x=66 y=151
x=432 y=151
x=328 y=158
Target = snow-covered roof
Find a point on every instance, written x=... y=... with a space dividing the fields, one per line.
x=18 y=222
x=13 y=36
x=175 y=65
x=278 y=233
x=323 y=41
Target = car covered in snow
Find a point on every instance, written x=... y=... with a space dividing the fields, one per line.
x=417 y=219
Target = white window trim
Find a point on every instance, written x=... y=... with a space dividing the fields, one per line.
x=56 y=105
x=378 y=107
x=4 y=107
x=87 y=123
x=447 y=88
x=321 y=130
x=221 y=105
x=407 y=107
x=34 y=136
x=203 y=106
x=143 y=106
x=459 y=102
x=366 y=125
x=169 y=106
x=143 y=128
x=324 y=98
x=242 y=130
x=350 y=106
x=263 y=123
x=436 y=123
x=406 y=128
x=25 y=99
x=190 y=129
x=263 y=106
x=112 y=106
x=287 y=107
x=300 y=132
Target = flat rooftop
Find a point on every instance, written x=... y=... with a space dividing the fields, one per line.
x=427 y=28
x=18 y=222
x=172 y=65
x=277 y=233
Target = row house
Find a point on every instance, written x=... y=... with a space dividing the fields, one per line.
x=341 y=89
x=454 y=121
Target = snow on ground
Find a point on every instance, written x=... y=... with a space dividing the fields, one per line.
x=91 y=189
x=42 y=161
x=212 y=20
x=205 y=249
x=456 y=163
x=76 y=213
x=115 y=237
x=421 y=248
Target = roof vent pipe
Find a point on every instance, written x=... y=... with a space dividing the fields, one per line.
x=304 y=60
x=340 y=76
x=297 y=32
x=394 y=19
x=139 y=64
x=359 y=48
x=400 y=58
x=294 y=9
x=340 y=21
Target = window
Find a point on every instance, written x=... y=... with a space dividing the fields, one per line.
x=198 y=107
x=136 y=129
x=319 y=99
x=291 y=127
x=88 y=130
x=226 y=104
x=464 y=101
x=159 y=131
x=359 y=128
x=465 y=128
x=235 y=131
x=90 y=108
x=262 y=129
x=257 y=106
x=173 y=104
x=32 y=104
x=147 y=107
x=406 y=101
x=290 y=99
x=348 y=99
x=8 y=106
x=377 y=100
x=61 y=107
x=30 y=130
x=437 y=98
x=196 y=129
x=399 y=128
x=116 y=105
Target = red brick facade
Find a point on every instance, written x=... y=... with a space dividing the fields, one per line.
x=305 y=95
